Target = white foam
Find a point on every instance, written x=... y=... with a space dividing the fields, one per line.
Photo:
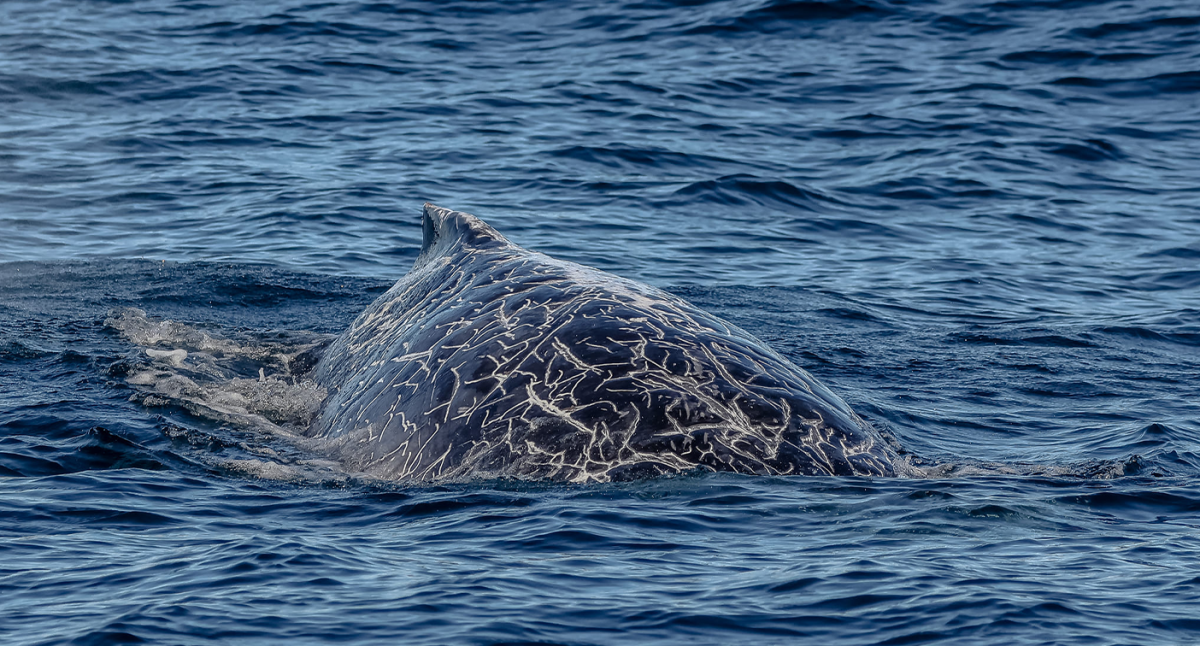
x=173 y=357
x=247 y=383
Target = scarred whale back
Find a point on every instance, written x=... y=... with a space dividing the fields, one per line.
x=488 y=360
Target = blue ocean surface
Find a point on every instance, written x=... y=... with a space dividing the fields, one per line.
x=977 y=221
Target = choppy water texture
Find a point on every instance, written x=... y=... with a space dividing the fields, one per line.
x=979 y=222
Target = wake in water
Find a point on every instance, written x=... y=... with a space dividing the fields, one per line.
x=262 y=382
x=257 y=383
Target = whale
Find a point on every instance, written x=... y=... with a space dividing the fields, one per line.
x=490 y=361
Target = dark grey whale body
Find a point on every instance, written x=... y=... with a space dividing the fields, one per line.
x=487 y=360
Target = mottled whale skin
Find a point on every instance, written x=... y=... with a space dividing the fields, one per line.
x=491 y=361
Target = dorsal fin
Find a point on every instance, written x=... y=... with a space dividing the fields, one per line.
x=443 y=229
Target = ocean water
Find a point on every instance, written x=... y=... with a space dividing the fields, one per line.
x=977 y=221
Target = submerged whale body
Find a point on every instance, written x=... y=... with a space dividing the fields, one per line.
x=491 y=361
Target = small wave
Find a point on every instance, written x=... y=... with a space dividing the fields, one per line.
x=1173 y=83
x=1111 y=29
x=780 y=14
x=961 y=89
x=1058 y=341
x=851 y=134
x=850 y=313
x=1142 y=504
x=342 y=66
x=46 y=445
x=1174 y=252
x=970 y=24
x=737 y=190
x=1146 y=334
x=628 y=157
x=16 y=350
x=1092 y=150
x=1047 y=57
x=1047 y=222
x=473 y=502
x=55 y=89
x=1185 y=279
x=814 y=10
x=287 y=30
x=393 y=9
x=1043 y=5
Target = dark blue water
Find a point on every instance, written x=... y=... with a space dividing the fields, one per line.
x=978 y=222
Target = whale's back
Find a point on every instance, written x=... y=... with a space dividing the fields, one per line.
x=488 y=360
